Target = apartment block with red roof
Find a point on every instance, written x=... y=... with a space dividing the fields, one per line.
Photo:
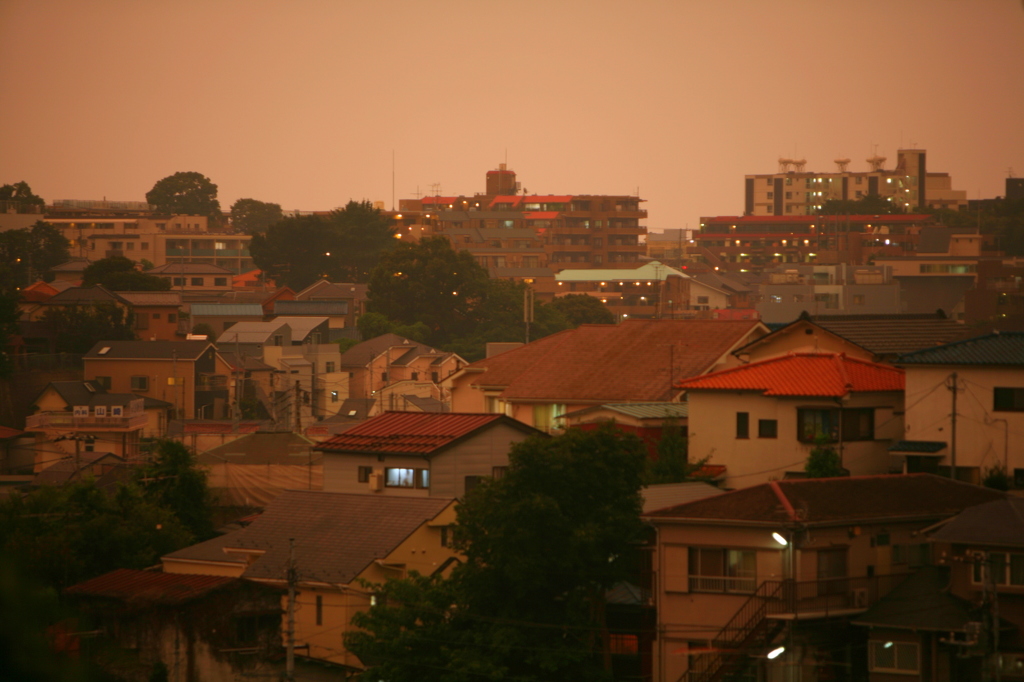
x=762 y=420
x=420 y=454
x=595 y=364
x=788 y=564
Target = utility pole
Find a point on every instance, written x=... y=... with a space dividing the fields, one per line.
x=528 y=309
x=951 y=385
x=289 y=666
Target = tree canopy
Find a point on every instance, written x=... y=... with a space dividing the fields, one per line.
x=252 y=216
x=118 y=273
x=582 y=309
x=9 y=314
x=185 y=193
x=342 y=246
x=542 y=546
x=78 y=328
x=21 y=196
x=29 y=253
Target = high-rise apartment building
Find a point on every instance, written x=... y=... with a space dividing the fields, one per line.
x=507 y=231
x=793 y=191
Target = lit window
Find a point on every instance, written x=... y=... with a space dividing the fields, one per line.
x=722 y=570
x=897 y=657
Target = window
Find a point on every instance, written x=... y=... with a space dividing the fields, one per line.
x=319 y=610
x=434 y=376
x=363 y=474
x=142 y=321
x=774 y=298
x=771 y=195
x=472 y=482
x=743 y=425
x=857 y=424
x=140 y=383
x=1008 y=399
x=278 y=340
x=702 y=300
x=498 y=472
x=767 y=428
x=722 y=570
x=197 y=281
x=897 y=657
x=913 y=555
x=858 y=299
x=103 y=382
x=156 y=316
x=384 y=377
x=545 y=417
x=1006 y=569
x=447 y=536
x=220 y=281
x=329 y=368
x=334 y=396
x=145 y=246
x=624 y=644
x=178 y=281
x=130 y=245
x=406 y=478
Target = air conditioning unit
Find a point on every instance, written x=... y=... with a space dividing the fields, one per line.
x=860 y=597
x=376 y=482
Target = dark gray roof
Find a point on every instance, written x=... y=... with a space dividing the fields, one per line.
x=263 y=448
x=361 y=354
x=921 y=602
x=90 y=393
x=325 y=291
x=74 y=265
x=226 y=310
x=151 y=350
x=424 y=404
x=891 y=335
x=337 y=535
x=999 y=523
x=84 y=296
x=998 y=348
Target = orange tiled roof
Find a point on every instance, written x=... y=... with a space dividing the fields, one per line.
x=417 y=433
x=803 y=374
x=638 y=360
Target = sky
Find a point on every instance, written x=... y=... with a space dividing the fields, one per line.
x=311 y=103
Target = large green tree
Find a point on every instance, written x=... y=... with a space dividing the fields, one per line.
x=29 y=253
x=118 y=273
x=429 y=282
x=185 y=193
x=342 y=246
x=77 y=328
x=582 y=309
x=9 y=315
x=251 y=216
x=21 y=197
x=542 y=547
x=175 y=481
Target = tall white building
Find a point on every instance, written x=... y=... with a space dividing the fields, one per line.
x=794 y=191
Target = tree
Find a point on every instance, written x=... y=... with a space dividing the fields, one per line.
x=118 y=273
x=9 y=314
x=542 y=546
x=78 y=328
x=251 y=216
x=372 y=325
x=29 y=253
x=428 y=282
x=21 y=196
x=343 y=246
x=823 y=462
x=174 y=481
x=187 y=193
x=582 y=309
x=672 y=464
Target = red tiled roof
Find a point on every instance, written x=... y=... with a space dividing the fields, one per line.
x=638 y=360
x=418 y=433
x=149 y=586
x=827 y=500
x=513 y=199
x=803 y=374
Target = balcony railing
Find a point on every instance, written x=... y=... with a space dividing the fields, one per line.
x=64 y=420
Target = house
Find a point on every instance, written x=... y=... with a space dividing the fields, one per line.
x=762 y=420
x=76 y=297
x=194 y=627
x=339 y=542
x=183 y=373
x=595 y=364
x=253 y=469
x=649 y=291
x=76 y=417
x=221 y=316
x=352 y=294
x=889 y=336
x=788 y=563
x=336 y=312
x=420 y=453
x=390 y=367
x=156 y=313
x=965 y=408
x=645 y=420
x=968 y=615
x=194 y=277
x=802 y=335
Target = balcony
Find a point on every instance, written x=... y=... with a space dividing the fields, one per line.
x=66 y=420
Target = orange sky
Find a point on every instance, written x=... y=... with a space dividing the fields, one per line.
x=302 y=103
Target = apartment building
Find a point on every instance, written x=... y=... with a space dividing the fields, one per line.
x=793 y=191
x=507 y=229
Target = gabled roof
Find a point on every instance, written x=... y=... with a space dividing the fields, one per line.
x=921 y=602
x=301 y=326
x=638 y=360
x=361 y=354
x=337 y=535
x=262 y=448
x=73 y=265
x=999 y=349
x=999 y=523
x=249 y=331
x=152 y=298
x=84 y=296
x=415 y=433
x=889 y=335
x=149 y=587
x=835 y=500
x=148 y=350
x=658 y=410
x=803 y=374
x=327 y=291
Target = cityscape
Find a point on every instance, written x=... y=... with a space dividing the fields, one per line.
x=631 y=378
